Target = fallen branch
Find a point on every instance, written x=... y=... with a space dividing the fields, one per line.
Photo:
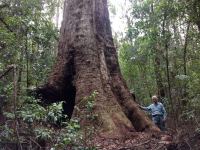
x=161 y=147
x=17 y=132
x=10 y=67
x=146 y=142
x=35 y=143
x=188 y=144
x=6 y=25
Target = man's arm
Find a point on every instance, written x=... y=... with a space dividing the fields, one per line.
x=146 y=108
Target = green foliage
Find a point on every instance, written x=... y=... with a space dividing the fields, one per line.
x=54 y=113
x=70 y=135
x=188 y=115
x=43 y=134
x=161 y=49
x=112 y=8
x=32 y=111
x=134 y=69
x=9 y=115
x=6 y=133
x=28 y=38
x=90 y=107
x=38 y=121
x=90 y=101
x=182 y=77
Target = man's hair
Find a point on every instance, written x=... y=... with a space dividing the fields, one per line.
x=154 y=97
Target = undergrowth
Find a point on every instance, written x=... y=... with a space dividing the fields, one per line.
x=35 y=126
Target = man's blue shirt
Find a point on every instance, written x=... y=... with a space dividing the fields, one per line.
x=156 y=109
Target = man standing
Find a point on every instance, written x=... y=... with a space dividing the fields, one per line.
x=158 y=112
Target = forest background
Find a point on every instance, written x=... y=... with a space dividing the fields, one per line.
x=158 y=48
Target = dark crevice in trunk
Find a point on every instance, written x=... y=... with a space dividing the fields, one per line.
x=69 y=90
x=47 y=94
x=66 y=93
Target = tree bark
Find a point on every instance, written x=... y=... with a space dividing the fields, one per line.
x=87 y=61
x=185 y=49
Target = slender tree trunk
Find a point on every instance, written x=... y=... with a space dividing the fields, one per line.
x=57 y=13
x=195 y=13
x=144 y=78
x=87 y=61
x=166 y=49
x=157 y=61
x=129 y=24
x=185 y=49
x=165 y=27
x=27 y=61
x=157 y=70
x=177 y=93
x=15 y=104
x=20 y=71
x=168 y=74
x=185 y=58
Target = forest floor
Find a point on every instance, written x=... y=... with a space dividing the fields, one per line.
x=150 y=141
x=182 y=139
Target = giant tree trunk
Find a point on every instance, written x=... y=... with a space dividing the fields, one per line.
x=87 y=61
